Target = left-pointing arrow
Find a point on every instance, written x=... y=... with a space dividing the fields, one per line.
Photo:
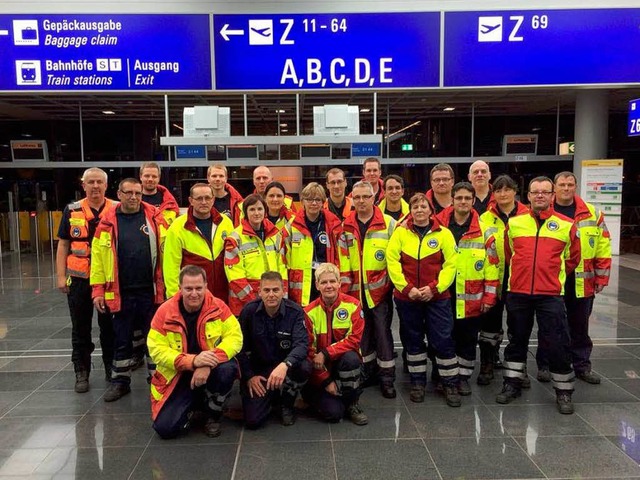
x=226 y=31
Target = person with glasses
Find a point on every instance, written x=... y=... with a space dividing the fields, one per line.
x=197 y=238
x=277 y=212
x=439 y=195
x=126 y=276
x=363 y=267
x=308 y=241
x=541 y=248
x=393 y=204
x=338 y=202
x=252 y=248
x=475 y=287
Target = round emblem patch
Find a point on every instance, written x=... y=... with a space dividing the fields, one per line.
x=342 y=314
x=145 y=229
x=553 y=226
x=479 y=264
x=75 y=232
x=433 y=243
x=379 y=255
x=323 y=239
x=592 y=242
x=285 y=344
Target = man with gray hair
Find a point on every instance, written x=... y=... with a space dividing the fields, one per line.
x=73 y=268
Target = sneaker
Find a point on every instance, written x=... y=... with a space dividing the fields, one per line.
x=563 y=400
x=356 y=415
x=587 y=376
x=388 y=390
x=82 y=382
x=212 y=427
x=486 y=374
x=287 y=416
x=544 y=375
x=451 y=396
x=464 y=388
x=116 y=391
x=416 y=394
x=508 y=394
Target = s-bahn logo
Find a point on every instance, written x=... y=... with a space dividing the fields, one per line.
x=433 y=243
x=553 y=226
x=342 y=314
x=379 y=255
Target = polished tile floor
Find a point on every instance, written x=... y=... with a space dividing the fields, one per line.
x=48 y=431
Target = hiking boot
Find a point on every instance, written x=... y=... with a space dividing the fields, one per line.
x=486 y=374
x=589 y=377
x=356 y=415
x=116 y=391
x=287 y=416
x=212 y=427
x=416 y=394
x=451 y=396
x=544 y=375
x=464 y=388
x=563 y=400
x=82 y=382
x=388 y=390
x=508 y=394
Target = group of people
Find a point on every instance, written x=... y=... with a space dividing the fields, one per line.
x=299 y=300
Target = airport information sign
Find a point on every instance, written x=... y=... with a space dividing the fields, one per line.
x=105 y=52
x=324 y=51
x=541 y=47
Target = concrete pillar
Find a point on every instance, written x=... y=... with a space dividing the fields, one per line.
x=591 y=127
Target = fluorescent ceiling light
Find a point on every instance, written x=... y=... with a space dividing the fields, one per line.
x=365 y=110
x=281 y=111
x=108 y=112
x=448 y=109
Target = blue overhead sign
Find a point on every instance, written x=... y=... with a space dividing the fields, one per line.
x=309 y=51
x=105 y=52
x=633 y=129
x=541 y=47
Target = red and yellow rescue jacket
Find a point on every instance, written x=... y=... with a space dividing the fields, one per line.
x=363 y=261
x=347 y=208
x=297 y=246
x=421 y=262
x=246 y=258
x=404 y=208
x=217 y=329
x=104 y=256
x=235 y=204
x=333 y=330
x=80 y=216
x=540 y=252
x=185 y=245
x=169 y=207
x=477 y=266
x=433 y=203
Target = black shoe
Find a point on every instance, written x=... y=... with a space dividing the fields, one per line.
x=464 y=388
x=82 y=382
x=287 y=416
x=388 y=390
x=508 y=394
x=544 y=375
x=486 y=374
x=451 y=396
x=416 y=394
x=587 y=376
x=356 y=415
x=563 y=401
x=116 y=391
x=212 y=427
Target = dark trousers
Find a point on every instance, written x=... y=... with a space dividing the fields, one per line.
x=553 y=336
x=173 y=418
x=257 y=409
x=491 y=331
x=81 y=310
x=346 y=373
x=434 y=320
x=578 y=313
x=137 y=310
x=377 y=342
x=465 y=336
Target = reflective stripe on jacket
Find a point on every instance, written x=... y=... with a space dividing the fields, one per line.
x=333 y=330
x=185 y=245
x=104 y=259
x=415 y=262
x=217 y=329
x=540 y=252
x=298 y=247
x=477 y=267
x=363 y=262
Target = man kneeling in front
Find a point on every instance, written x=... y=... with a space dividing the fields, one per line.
x=193 y=340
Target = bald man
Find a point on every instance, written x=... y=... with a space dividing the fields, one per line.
x=479 y=176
